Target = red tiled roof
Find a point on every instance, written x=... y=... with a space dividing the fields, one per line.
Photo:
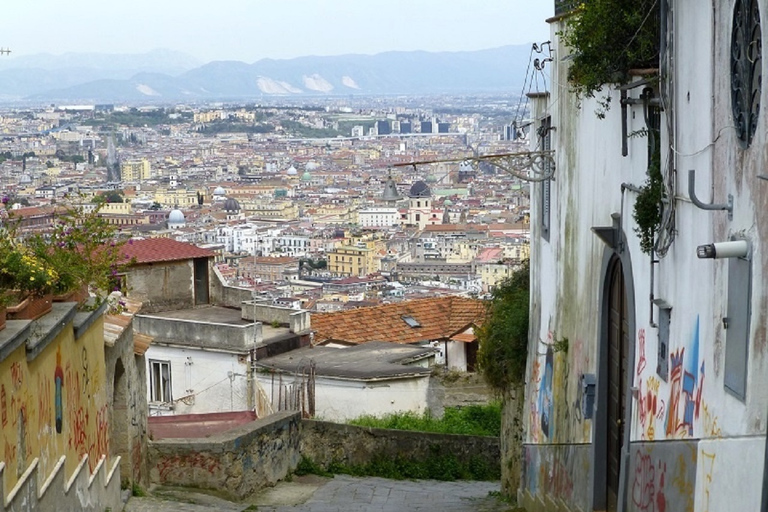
x=162 y=249
x=440 y=318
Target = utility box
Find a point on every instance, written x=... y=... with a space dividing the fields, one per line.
x=587 y=395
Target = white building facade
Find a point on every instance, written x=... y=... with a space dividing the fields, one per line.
x=658 y=402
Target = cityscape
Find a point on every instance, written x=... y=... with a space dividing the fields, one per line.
x=499 y=257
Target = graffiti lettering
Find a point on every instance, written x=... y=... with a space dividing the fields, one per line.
x=3 y=406
x=44 y=407
x=641 y=362
x=17 y=376
x=648 y=486
x=181 y=464
x=709 y=459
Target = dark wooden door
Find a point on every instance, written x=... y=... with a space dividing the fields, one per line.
x=618 y=344
x=201 y=281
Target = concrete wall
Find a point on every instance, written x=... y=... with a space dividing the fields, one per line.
x=225 y=295
x=201 y=381
x=81 y=491
x=342 y=400
x=162 y=286
x=326 y=443
x=53 y=397
x=236 y=463
x=297 y=321
x=240 y=338
x=127 y=395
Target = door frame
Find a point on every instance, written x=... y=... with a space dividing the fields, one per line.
x=600 y=423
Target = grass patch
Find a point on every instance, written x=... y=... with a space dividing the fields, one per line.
x=438 y=466
x=473 y=420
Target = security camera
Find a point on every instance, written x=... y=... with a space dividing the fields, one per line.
x=732 y=249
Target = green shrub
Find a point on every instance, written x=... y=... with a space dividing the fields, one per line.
x=473 y=420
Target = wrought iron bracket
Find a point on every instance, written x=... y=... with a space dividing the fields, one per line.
x=707 y=206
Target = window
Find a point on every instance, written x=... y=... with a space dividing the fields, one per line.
x=412 y=322
x=546 y=145
x=418 y=217
x=746 y=68
x=160 y=381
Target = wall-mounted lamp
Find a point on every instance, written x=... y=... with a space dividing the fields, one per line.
x=732 y=249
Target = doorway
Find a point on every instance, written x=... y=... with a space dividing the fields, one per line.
x=201 y=281
x=618 y=350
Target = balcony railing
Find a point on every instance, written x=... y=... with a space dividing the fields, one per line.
x=564 y=6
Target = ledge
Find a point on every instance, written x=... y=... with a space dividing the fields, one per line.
x=85 y=319
x=13 y=336
x=47 y=327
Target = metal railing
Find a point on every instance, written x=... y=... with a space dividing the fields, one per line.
x=565 y=6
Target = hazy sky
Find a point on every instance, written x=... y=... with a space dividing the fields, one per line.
x=249 y=30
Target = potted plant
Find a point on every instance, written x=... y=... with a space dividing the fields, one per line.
x=26 y=282
x=84 y=250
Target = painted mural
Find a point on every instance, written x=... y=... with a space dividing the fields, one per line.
x=555 y=392
x=675 y=409
x=54 y=405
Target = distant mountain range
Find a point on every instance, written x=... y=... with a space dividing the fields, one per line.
x=165 y=76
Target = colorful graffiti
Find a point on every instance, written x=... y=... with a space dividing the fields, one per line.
x=533 y=409
x=650 y=408
x=677 y=416
x=545 y=393
x=47 y=411
x=641 y=362
x=709 y=460
x=648 y=485
x=686 y=388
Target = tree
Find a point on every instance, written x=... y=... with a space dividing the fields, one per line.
x=503 y=336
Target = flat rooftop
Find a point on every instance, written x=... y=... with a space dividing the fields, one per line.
x=368 y=361
x=193 y=426
x=208 y=314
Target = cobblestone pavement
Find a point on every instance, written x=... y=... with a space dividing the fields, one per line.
x=351 y=494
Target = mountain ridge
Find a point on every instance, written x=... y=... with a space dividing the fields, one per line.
x=167 y=76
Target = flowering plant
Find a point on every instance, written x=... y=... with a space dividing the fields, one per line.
x=84 y=250
x=21 y=270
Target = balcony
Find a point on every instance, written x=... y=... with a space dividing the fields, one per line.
x=565 y=6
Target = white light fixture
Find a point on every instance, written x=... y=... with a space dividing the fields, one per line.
x=732 y=249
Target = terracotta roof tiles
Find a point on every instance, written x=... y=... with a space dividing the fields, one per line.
x=154 y=250
x=439 y=318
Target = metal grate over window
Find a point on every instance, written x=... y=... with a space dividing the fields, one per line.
x=746 y=68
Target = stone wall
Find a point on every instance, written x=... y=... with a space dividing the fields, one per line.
x=511 y=441
x=162 y=286
x=127 y=395
x=236 y=463
x=259 y=454
x=325 y=443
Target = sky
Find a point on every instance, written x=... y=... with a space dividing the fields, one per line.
x=249 y=30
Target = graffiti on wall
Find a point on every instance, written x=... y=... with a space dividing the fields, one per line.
x=57 y=406
x=648 y=484
x=675 y=411
x=545 y=393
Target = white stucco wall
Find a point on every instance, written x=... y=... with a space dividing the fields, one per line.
x=341 y=400
x=201 y=381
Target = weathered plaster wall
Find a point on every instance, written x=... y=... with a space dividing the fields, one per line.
x=55 y=404
x=342 y=400
x=162 y=286
x=556 y=477
x=126 y=381
x=225 y=295
x=326 y=443
x=236 y=463
x=202 y=381
x=58 y=491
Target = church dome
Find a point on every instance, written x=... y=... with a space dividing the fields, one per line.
x=390 y=190
x=431 y=178
x=419 y=189
x=176 y=218
x=219 y=191
x=306 y=176
x=448 y=202
x=231 y=205
x=292 y=171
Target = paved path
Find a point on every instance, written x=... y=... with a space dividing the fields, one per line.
x=348 y=494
